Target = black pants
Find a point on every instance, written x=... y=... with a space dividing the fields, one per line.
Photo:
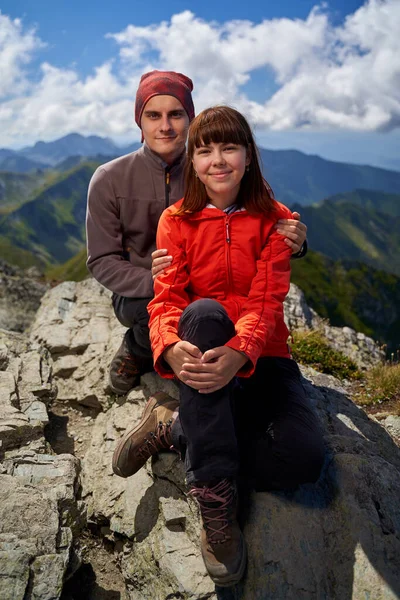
x=132 y=313
x=261 y=429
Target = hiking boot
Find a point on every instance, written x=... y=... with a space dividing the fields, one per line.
x=151 y=435
x=222 y=544
x=125 y=369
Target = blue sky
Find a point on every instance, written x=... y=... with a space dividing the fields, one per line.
x=322 y=78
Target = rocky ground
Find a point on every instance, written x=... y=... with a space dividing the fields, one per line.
x=71 y=530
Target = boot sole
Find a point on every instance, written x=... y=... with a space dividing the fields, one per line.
x=150 y=406
x=233 y=578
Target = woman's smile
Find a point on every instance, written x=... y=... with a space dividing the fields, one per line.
x=221 y=174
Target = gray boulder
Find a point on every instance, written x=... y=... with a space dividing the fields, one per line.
x=338 y=539
x=39 y=511
x=75 y=323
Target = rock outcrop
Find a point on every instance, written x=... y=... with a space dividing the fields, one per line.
x=338 y=539
x=361 y=349
x=39 y=512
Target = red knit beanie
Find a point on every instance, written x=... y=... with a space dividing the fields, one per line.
x=159 y=83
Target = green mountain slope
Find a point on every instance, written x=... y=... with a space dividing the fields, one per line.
x=52 y=225
x=73 y=269
x=353 y=294
x=388 y=204
x=17 y=188
x=17 y=256
x=342 y=230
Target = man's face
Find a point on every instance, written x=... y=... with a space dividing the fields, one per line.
x=165 y=126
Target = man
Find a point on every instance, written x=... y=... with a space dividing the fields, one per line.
x=125 y=200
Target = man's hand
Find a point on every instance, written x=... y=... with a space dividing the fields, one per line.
x=294 y=231
x=161 y=261
x=181 y=353
x=215 y=369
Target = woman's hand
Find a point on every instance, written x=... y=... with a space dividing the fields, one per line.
x=294 y=230
x=215 y=369
x=181 y=353
x=161 y=261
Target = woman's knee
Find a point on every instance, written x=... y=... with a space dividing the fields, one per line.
x=205 y=307
x=206 y=324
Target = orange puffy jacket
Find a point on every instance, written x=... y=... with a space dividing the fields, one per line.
x=237 y=259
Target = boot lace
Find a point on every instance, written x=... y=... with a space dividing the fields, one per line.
x=215 y=507
x=128 y=366
x=157 y=440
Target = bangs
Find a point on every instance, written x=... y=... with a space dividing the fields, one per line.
x=219 y=126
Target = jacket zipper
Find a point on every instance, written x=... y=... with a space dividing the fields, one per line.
x=228 y=252
x=228 y=239
x=167 y=189
x=228 y=257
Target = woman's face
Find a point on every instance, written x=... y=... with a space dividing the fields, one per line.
x=221 y=166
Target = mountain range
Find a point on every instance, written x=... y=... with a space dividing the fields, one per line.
x=359 y=225
x=299 y=178
x=43 y=212
x=48 y=154
x=294 y=176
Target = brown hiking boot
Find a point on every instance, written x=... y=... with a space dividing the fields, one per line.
x=125 y=369
x=151 y=435
x=222 y=544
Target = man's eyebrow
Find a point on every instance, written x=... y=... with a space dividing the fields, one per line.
x=151 y=112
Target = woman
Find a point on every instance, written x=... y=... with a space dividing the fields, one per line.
x=216 y=323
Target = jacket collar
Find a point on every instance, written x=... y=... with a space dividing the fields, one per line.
x=159 y=162
x=212 y=213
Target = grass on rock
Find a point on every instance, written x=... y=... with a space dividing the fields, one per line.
x=310 y=348
x=381 y=388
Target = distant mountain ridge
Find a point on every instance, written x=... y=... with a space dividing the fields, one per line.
x=298 y=178
x=49 y=154
x=295 y=177
x=51 y=222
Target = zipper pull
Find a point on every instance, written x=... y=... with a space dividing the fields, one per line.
x=167 y=177
x=228 y=239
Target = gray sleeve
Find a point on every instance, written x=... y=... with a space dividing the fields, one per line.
x=105 y=244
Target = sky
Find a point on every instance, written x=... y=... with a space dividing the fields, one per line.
x=320 y=78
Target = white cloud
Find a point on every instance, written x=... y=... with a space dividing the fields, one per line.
x=328 y=77
x=16 y=49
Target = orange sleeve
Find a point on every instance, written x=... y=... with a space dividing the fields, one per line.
x=264 y=304
x=170 y=296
